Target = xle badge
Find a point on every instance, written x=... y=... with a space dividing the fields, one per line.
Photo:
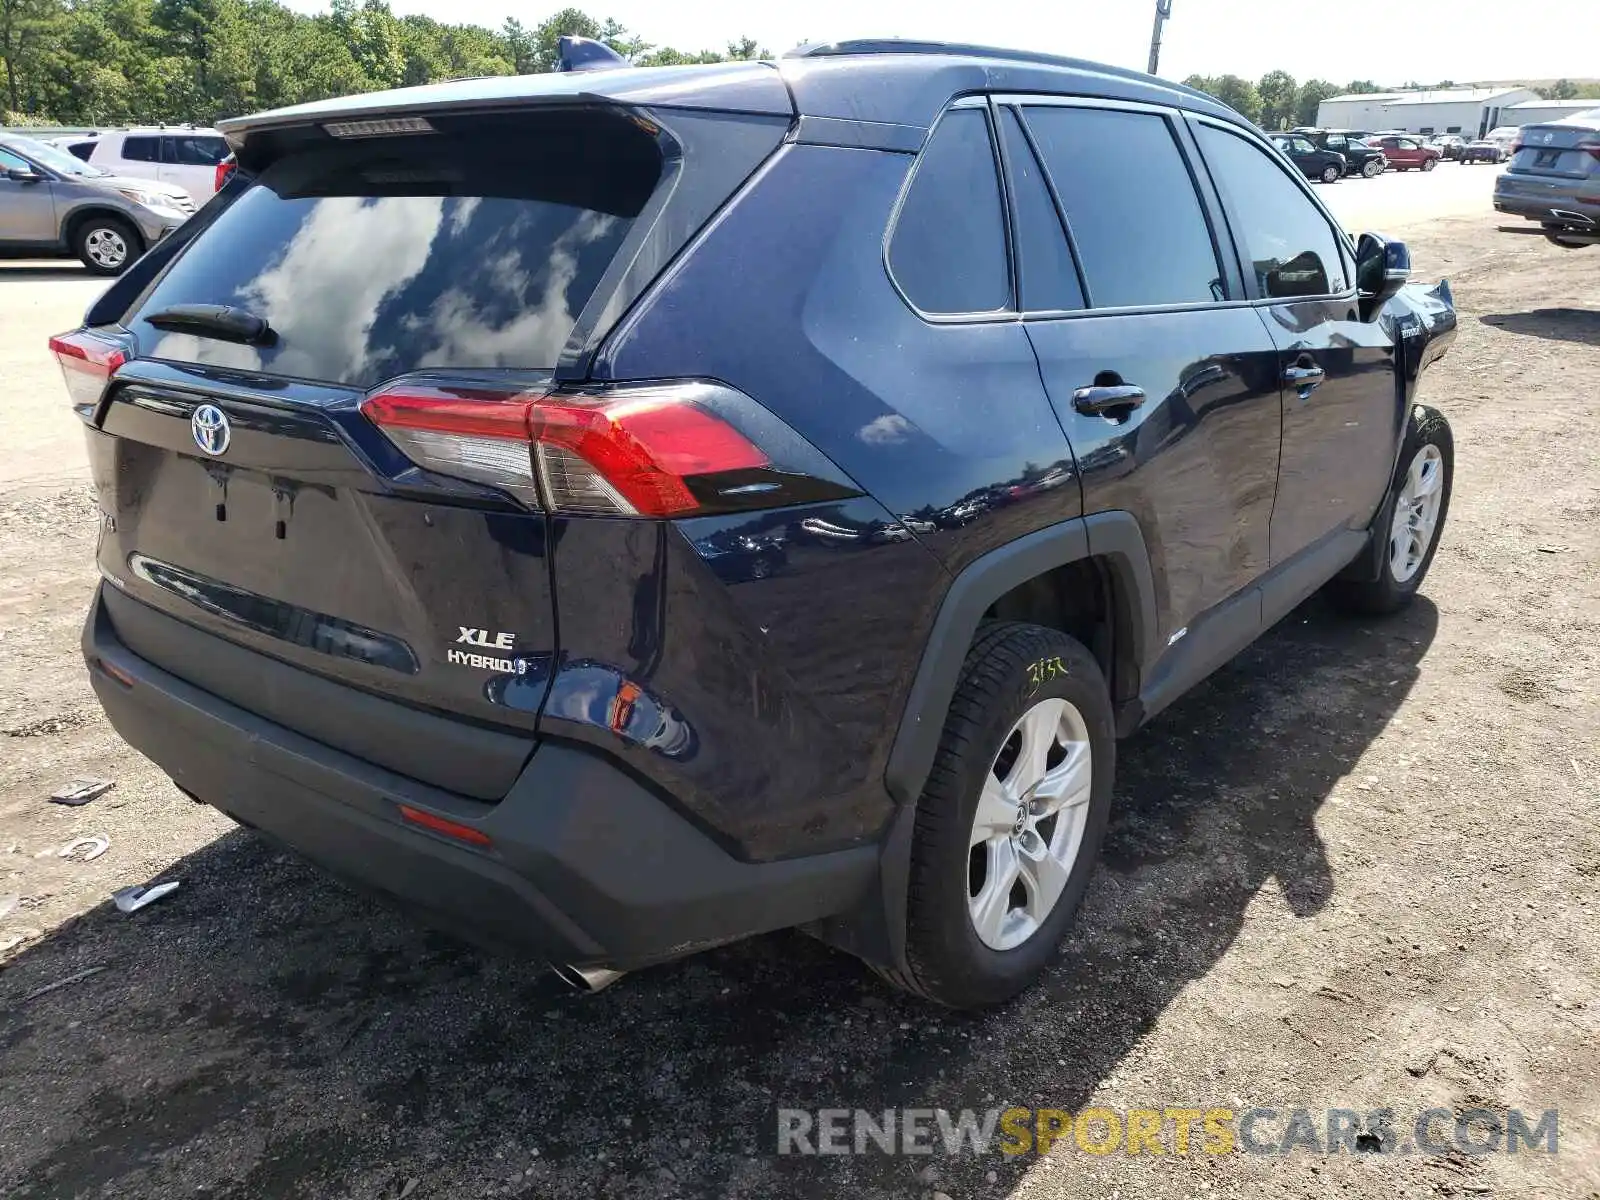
x=485 y=662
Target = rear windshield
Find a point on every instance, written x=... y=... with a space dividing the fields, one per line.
x=371 y=257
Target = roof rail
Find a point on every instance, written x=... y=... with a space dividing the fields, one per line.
x=972 y=50
x=585 y=54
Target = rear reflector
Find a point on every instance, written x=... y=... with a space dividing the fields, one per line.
x=631 y=451
x=87 y=364
x=445 y=826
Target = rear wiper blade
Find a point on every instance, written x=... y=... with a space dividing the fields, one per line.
x=221 y=321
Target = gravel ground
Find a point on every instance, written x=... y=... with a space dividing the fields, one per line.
x=1356 y=868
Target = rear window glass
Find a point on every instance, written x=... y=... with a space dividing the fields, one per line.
x=374 y=257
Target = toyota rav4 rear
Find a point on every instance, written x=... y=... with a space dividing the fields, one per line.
x=387 y=572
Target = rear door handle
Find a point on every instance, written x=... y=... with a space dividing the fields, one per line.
x=1304 y=378
x=1099 y=401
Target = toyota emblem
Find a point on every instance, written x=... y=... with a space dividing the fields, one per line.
x=211 y=429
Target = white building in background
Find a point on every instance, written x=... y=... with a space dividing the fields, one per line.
x=1540 y=112
x=1469 y=111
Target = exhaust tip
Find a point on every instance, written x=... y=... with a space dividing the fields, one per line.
x=586 y=979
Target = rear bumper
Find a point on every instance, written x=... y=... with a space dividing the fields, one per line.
x=1549 y=206
x=585 y=865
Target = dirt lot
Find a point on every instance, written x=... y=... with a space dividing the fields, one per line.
x=1356 y=868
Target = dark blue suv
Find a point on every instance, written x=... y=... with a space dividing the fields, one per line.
x=625 y=511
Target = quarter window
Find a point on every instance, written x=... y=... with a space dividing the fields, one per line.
x=948 y=251
x=1290 y=244
x=1141 y=234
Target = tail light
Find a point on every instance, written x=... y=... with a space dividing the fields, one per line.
x=1592 y=149
x=88 y=361
x=224 y=168
x=650 y=450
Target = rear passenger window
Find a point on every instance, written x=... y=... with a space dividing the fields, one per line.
x=199 y=151
x=141 y=149
x=1290 y=244
x=948 y=252
x=1135 y=218
x=1049 y=279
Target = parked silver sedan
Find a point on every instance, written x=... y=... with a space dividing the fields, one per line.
x=1554 y=179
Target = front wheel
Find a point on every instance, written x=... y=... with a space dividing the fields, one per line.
x=1372 y=169
x=106 y=245
x=1011 y=820
x=1429 y=163
x=1412 y=518
x=1331 y=173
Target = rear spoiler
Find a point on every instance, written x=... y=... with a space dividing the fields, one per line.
x=753 y=88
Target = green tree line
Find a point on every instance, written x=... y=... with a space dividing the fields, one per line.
x=103 y=62
x=1276 y=101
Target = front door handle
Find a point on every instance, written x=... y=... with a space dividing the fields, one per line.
x=1304 y=378
x=1102 y=401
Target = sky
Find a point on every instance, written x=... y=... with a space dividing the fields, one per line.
x=1381 y=40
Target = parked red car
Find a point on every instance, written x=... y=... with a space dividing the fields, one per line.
x=1404 y=153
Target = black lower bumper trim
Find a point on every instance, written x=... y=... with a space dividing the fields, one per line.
x=585 y=865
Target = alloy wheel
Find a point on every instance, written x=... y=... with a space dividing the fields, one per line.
x=1416 y=513
x=1029 y=824
x=106 y=247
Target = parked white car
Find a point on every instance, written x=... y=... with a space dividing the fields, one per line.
x=1504 y=136
x=184 y=156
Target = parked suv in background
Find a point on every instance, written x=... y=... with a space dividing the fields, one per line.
x=1360 y=158
x=52 y=203
x=1404 y=153
x=1326 y=165
x=1554 y=179
x=183 y=156
x=761 y=502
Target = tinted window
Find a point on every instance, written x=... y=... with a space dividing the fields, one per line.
x=199 y=151
x=1336 y=142
x=948 y=253
x=1049 y=279
x=1288 y=240
x=82 y=150
x=141 y=149
x=1135 y=217
x=378 y=257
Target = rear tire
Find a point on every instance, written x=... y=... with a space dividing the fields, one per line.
x=107 y=245
x=994 y=883
x=1410 y=521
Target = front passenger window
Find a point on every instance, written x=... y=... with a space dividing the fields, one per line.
x=1290 y=243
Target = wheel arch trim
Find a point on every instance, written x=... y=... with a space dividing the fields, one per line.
x=1114 y=537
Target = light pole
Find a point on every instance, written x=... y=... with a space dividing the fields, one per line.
x=1163 y=11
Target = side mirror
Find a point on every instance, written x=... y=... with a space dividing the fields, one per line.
x=1382 y=269
x=23 y=175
